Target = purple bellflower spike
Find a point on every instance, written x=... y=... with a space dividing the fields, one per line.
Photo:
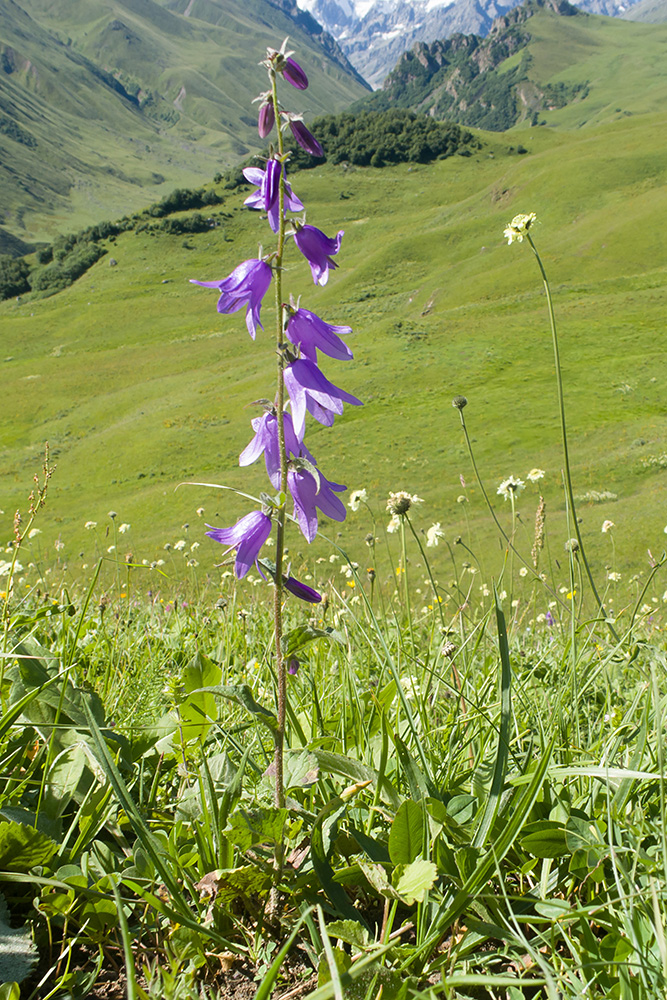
x=303 y=135
x=246 y=285
x=265 y=442
x=302 y=591
x=309 y=333
x=309 y=390
x=309 y=496
x=267 y=119
x=266 y=198
x=293 y=73
x=247 y=536
x=318 y=249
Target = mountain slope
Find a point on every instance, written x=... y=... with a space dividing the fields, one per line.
x=99 y=100
x=650 y=11
x=543 y=62
x=375 y=34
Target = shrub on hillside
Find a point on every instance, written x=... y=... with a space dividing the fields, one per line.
x=64 y=271
x=14 y=273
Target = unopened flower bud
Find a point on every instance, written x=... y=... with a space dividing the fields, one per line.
x=305 y=137
x=267 y=119
x=294 y=74
x=292 y=665
x=459 y=402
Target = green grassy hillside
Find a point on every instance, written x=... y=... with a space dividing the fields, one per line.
x=138 y=384
x=105 y=106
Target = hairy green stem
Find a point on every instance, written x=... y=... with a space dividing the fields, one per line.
x=279 y=792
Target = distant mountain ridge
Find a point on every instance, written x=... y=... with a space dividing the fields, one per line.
x=375 y=33
x=544 y=62
x=100 y=99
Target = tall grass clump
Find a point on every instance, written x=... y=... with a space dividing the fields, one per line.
x=388 y=781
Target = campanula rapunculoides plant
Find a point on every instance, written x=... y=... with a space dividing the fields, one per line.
x=293 y=471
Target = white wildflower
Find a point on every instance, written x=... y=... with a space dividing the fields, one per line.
x=195 y=545
x=34 y=532
x=607 y=526
x=535 y=475
x=357 y=497
x=434 y=534
x=510 y=487
x=523 y=571
x=518 y=227
x=614 y=577
x=401 y=502
x=123 y=528
x=89 y=525
x=180 y=545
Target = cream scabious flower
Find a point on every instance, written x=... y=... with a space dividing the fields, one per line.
x=518 y=227
x=89 y=525
x=433 y=535
x=123 y=528
x=398 y=504
x=535 y=475
x=510 y=487
x=401 y=502
x=607 y=526
x=357 y=497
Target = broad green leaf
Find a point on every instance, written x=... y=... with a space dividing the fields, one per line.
x=462 y=808
x=415 y=880
x=406 y=837
x=544 y=839
x=198 y=711
x=349 y=931
x=248 y=827
x=23 y=847
x=63 y=779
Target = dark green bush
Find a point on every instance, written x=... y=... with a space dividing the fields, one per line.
x=14 y=273
x=63 y=272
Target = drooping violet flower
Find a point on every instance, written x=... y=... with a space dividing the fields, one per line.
x=267 y=119
x=310 y=495
x=266 y=198
x=293 y=73
x=265 y=442
x=301 y=591
x=309 y=390
x=247 y=536
x=309 y=333
x=318 y=250
x=293 y=666
x=247 y=284
x=303 y=135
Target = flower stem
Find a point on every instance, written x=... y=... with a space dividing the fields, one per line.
x=563 y=428
x=281 y=673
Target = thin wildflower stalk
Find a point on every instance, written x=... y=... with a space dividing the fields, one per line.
x=408 y=606
x=508 y=540
x=281 y=672
x=563 y=429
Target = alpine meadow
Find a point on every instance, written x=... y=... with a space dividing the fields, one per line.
x=333 y=593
